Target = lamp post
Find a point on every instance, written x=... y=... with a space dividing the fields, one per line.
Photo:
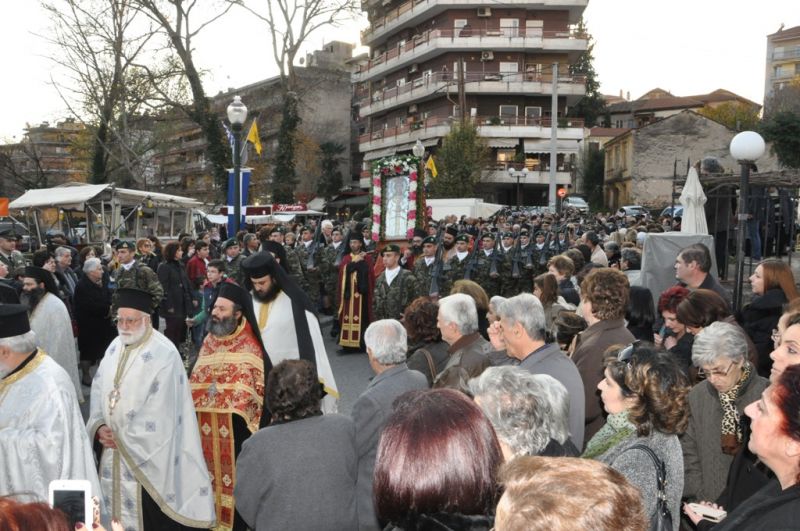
x=746 y=148
x=419 y=151
x=518 y=173
x=237 y=114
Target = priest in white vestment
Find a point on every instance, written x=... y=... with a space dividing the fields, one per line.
x=285 y=314
x=42 y=436
x=152 y=470
x=51 y=322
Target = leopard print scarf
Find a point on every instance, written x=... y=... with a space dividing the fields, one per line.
x=731 y=439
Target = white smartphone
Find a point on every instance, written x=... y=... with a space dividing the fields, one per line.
x=709 y=513
x=74 y=498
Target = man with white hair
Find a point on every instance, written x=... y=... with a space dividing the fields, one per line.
x=386 y=342
x=152 y=471
x=458 y=322
x=529 y=412
x=41 y=428
x=521 y=332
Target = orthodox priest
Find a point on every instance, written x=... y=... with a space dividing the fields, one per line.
x=228 y=383
x=51 y=322
x=289 y=327
x=152 y=472
x=356 y=287
x=42 y=437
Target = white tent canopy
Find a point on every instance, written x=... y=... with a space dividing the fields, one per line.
x=74 y=196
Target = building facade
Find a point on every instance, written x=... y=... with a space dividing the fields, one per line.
x=783 y=59
x=411 y=87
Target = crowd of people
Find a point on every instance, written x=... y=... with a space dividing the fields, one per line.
x=524 y=378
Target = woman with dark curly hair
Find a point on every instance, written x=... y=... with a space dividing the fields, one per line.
x=673 y=336
x=288 y=479
x=428 y=353
x=644 y=393
x=437 y=464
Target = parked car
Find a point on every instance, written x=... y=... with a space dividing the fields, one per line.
x=635 y=210
x=668 y=211
x=575 y=202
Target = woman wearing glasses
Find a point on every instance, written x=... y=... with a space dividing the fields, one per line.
x=716 y=405
x=644 y=393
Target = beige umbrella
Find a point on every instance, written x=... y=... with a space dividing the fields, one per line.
x=693 y=200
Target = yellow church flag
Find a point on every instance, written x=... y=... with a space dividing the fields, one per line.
x=252 y=137
x=430 y=165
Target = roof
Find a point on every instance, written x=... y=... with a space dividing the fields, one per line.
x=650 y=103
x=607 y=131
x=74 y=196
x=786 y=33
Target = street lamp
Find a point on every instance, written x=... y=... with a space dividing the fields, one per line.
x=746 y=148
x=237 y=114
x=521 y=173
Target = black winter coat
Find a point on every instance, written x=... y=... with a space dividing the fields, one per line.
x=444 y=522
x=92 y=313
x=177 y=301
x=759 y=319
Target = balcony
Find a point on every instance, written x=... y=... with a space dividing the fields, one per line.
x=434 y=42
x=503 y=176
x=431 y=85
x=785 y=55
x=416 y=11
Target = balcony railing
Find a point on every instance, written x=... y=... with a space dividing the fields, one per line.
x=786 y=54
x=428 y=81
x=514 y=36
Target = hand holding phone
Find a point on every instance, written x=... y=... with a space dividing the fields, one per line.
x=73 y=497
x=709 y=513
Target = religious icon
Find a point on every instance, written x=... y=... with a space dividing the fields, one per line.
x=397 y=207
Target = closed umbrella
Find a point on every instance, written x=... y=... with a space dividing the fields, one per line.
x=693 y=200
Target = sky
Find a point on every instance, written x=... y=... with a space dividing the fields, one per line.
x=687 y=47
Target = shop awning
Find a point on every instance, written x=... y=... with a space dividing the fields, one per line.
x=502 y=142
x=543 y=146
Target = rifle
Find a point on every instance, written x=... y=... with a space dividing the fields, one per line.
x=472 y=260
x=495 y=257
x=543 y=258
x=312 y=249
x=437 y=263
x=515 y=259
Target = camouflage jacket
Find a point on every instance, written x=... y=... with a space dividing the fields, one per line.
x=391 y=301
x=233 y=268
x=295 y=268
x=453 y=270
x=139 y=276
x=13 y=261
x=424 y=274
x=482 y=273
x=329 y=271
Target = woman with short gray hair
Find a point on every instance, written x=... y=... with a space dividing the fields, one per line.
x=92 y=305
x=529 y=412
x=716 y=405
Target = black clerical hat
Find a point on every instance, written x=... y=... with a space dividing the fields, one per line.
x=44 y=276
x=277 y=250
x=452 y=231
x=14 y=320
x=234 y=293
x=135 y=298
x=420 y=233
x=259 y=265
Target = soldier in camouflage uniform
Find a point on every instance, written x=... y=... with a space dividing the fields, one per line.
x=541 y=254
x=311 y=272
x=233 y=260
x=132 y=274
x=509 y=285
x=526 y=259
x=395 y=288
x=9 y=255
x=482 y=274
x=425 y=266
x=292 y=264
x=329 y=271
x=457 y=266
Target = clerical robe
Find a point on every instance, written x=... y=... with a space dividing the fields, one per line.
x=227 y=386
x=276 y=321
x=42 y=436
x=141 y=392
x=52 y=324
x=356 y=286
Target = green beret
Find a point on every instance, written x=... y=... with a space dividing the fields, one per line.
x=462 y=238
x=229 y=243
x=508 y=235
x=391 y=248
x=489 y=235
x=125 y=244
x=429 y=240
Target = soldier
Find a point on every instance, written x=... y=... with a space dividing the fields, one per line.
x=292 y=260
x=484 y=274
x=9 y=255
x=369 y=244
x=509 y=285
x=310 y=268
x=233 y=260
x=457 y=265
x=329 y=271
x=425 y=266
x=132 y=274
x=395 y=288
x=540 y=254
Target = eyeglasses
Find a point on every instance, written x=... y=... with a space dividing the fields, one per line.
x=626 y=354
x=719 y=374
x=127 y=321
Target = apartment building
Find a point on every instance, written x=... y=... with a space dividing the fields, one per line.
x=407 y=89
x=783 y=59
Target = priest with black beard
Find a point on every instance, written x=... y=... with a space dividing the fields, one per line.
x=286 y=319
x=51 y=322
x=228 y=383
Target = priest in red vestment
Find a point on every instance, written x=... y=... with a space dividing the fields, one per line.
x=356 y=286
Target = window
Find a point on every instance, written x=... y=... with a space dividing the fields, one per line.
x=532 y=115
x=618 y=124
x=509 y=68
x=508 y=114
x=459 y=23
x=458 y=27
x=506 y=155
x=509 y=27
x=455 y=68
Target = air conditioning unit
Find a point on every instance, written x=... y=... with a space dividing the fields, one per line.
x=484 y=12
x=413 y=69
x=487 y=56
x=412 y=109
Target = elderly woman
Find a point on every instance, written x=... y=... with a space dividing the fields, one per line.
x=644 y=393
x=432 y=472
x=529 y=412
x=428 y=353
x=285 y=477
x=775 y=439
x=567 y=494
x=494 y=304
x=93 y=314
x=714 y=433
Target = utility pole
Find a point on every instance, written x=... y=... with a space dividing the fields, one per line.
x=551 y=195
x=462 y=95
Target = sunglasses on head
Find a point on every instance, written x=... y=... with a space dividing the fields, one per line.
x=626 y=354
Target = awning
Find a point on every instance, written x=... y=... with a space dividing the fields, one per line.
x=502 y=142
x=351 y=199
x=378 y=154
x=66 y=197
x=543 y=146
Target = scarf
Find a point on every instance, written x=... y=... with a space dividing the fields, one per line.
x=617 y=427
x=731 y=438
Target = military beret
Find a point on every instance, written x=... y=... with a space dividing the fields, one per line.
x=390 y=248
x=489 y=235
x=462 y=238
x=508 y=235
x=229 y=243
x=125 y=244
x=429 y=240
x=306 y=228
x=539 y=233
x=524 y=233
x=8 y=234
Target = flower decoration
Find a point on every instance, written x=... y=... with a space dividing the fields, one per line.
x=397 y=165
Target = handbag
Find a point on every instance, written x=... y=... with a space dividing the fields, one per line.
x=662 y=519
x=431 y=365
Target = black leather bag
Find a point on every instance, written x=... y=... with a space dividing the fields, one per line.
x=662 y=518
